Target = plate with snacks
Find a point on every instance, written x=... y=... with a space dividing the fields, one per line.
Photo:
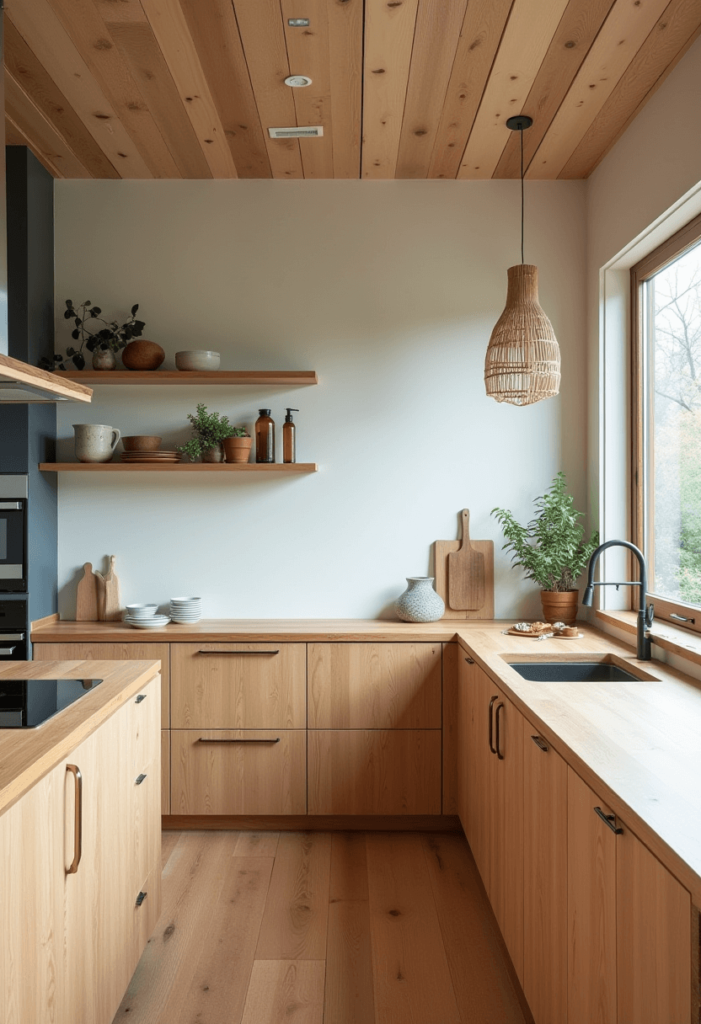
x=529 y=629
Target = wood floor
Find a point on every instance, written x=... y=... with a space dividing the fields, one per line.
x=305 y=928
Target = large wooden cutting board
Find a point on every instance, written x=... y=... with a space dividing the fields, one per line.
x=441 y=550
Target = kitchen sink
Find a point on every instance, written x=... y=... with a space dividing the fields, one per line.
x=572 y=672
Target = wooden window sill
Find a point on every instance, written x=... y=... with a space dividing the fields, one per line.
x=681 y=642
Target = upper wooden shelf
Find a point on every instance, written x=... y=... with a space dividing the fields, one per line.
x=181 y=377
x=178 y=467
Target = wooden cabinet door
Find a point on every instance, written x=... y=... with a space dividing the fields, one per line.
x=115 y=652
x=591 y=908
x=653 y=918
x=374 y=686
x=31 y=905
x=478 y=696
x=372 y=771
x=238 y=686
x=544 y=879
x=238 y=771
x=506 y=827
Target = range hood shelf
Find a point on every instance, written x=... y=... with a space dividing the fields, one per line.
x=22 y=383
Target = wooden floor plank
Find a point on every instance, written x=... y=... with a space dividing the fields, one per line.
x=169 y=840
x=349 y=997
x=483 y=987
x=285 y=990
x=412 y=982
x=296 y=911
x=349 y=867
x=256 y=844
x=217 y=991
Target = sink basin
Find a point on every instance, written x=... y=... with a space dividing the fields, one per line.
x=572 y=672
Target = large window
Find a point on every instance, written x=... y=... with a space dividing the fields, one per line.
x=667 y=423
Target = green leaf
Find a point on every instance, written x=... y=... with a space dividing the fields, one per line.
x=134 y=309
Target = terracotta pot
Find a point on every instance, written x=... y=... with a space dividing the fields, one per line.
x=560 y=606
x=237 y=449
x=143 y=355
x=213 y=455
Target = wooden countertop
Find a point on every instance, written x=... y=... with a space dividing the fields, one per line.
x=27 y=755
x=637 y=744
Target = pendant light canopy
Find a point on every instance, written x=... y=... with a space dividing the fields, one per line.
x=522 y=365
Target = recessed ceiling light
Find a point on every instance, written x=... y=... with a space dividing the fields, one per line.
x=298 y=81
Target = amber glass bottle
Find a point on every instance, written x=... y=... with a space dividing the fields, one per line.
x=289 y=443
x=265 y=437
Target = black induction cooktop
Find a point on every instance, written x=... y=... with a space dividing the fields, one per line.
x=28 y=703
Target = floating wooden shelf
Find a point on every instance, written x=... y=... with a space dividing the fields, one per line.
x=177 y=467
x=181 y=377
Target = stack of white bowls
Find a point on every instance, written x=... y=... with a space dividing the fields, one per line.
x=144 y=616
x=187 y=610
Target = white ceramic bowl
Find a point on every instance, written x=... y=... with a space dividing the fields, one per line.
x=185 y=600
x=141 y=611
x=197 y=359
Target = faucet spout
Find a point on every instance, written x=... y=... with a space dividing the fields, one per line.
x=645 y=613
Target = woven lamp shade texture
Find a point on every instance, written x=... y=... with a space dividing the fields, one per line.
x=522 y=365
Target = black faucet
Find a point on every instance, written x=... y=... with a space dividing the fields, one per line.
x=645 y=613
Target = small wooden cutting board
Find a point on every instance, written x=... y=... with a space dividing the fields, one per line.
x=86 y=599
x=466 y=586
x=443 y=549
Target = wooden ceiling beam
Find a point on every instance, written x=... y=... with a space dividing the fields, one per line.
x=263 y=39
x=171 y=30
x=573 y=38
x=623 y=33
x=44 y=139
x=308 y=54
x=389 y=38
x=526 y=38
x=435 y=44
x=84 y=24
x=669 y=40
x=480 y=36
x=346 y=62
x=142 y=53
x=38 y=84
x=41 y=29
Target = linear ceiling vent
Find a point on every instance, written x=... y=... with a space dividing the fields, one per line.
x=296 y=133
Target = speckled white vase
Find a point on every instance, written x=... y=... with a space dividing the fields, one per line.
x=420 y=602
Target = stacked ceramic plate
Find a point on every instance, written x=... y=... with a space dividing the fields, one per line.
x=186 y=609
x=158 y=456
x=143 y=616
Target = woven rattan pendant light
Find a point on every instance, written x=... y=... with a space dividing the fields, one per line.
x=522 y=365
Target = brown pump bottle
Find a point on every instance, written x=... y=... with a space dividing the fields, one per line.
x=289 y=441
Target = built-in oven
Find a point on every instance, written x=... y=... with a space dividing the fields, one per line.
x=14 y=631
x=13 y=534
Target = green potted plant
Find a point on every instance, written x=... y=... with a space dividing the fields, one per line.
x=103 y=343
x=237 y=448
x=551 y=549
x=209 y=429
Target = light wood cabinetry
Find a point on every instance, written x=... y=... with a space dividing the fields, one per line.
x=374 y=686
x=544 y=879
x=238 y=771
x=364 y=771
x=238 y=686
x=165 y=771
x=75 y=851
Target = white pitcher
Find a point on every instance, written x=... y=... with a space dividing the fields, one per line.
x=95 y=442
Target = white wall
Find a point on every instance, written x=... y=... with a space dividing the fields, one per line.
x=389 y=290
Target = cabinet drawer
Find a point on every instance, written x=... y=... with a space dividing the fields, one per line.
x=144 y=715
x=165 y=772
x=115 y=652
x=375 y=772
x=374 y=686
x=146 y=912
x=239 y=686
x=238 y=771
x=146 y=819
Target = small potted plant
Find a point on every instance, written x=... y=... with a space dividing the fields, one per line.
x=209 y=429
x=237 y=448
x=103 y=343
x=551 y=549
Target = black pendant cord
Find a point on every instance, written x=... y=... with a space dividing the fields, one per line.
x=522 y=197
x=518 y=124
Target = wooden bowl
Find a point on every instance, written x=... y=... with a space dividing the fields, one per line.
x=143 y=355
x=141 y=443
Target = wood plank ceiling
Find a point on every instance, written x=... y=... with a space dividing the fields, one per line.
x=402 y=88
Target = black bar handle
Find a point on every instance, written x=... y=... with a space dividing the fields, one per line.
x=610 y=820
x=492 y=702
x=142 y=696
x=500 y=707
x=140 y=898
x=470 y=661
x=140 y=779
x=540 y=743
x=245 y=653
x=202 y=739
